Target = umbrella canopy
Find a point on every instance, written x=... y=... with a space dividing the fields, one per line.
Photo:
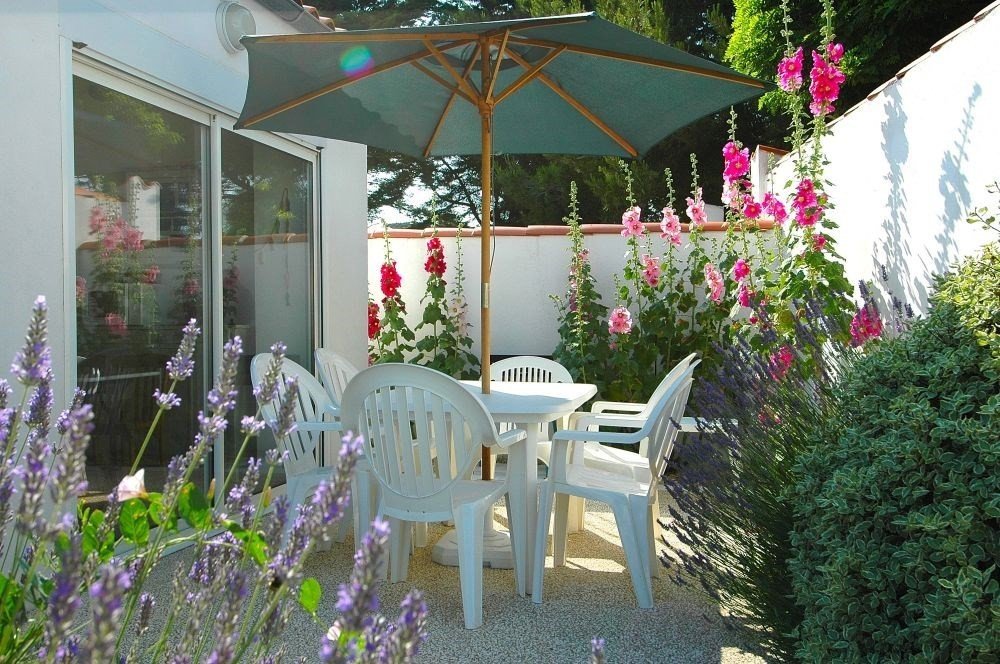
x=561 y=85
x=572 y=84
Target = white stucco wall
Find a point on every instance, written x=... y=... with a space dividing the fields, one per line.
x=908 y=164
x=170 y=46
x=527 y=269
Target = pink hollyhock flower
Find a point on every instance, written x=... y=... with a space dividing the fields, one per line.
x=390 y=279
x=632 y=221
x=790 y=72
x=741 y=269
x=97 y=220
x=716 y=284
x=835 y=52
x=737 y=162
x=152 y=274
x=768 y=417
x=772 y=206
x=866 y=325
x=753 y=320
x=116 y=325
x=650 y=270
x=435 y=263
x=620 y=321
x=696 y=209
x=806 y=204
x=825 y=80
x=113 y=236
x=584 y=255
x=751 y=209
x=819 y=241
x=744 y=295
x=671 y=227
x=132 y=238
x=781 y=362
x=191 y=286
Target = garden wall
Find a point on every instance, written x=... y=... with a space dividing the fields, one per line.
x=909 y=163
x=529 y=265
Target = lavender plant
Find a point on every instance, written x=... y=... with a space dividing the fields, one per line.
x=233 y=600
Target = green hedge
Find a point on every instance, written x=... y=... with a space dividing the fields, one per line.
x=896 y=539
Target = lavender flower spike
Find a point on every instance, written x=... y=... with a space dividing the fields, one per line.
x=267 y=391
x=64 y=601
x=286 y=414
x=70 y=476
x=5 y=392
x=597 y=650
x=106 y=599
x=181 y=365
x=32 y=363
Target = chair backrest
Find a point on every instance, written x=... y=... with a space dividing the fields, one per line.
x=335 y=371
x=529 y=369
x=672 y=376
x=664 y=423
x=422 y=430
x=313 y=406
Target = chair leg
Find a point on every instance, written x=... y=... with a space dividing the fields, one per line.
x=469 y=526
x=653 y=537
x=363 y=492
x=559 y=534
x=419 y=534
x=399 y=549
x=541 y=537
x=635 y=553
x=577 y=511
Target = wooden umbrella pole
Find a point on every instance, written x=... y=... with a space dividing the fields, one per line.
x=486 y=113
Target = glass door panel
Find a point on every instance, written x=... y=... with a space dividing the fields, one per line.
x=267 y=210
x=139 y=217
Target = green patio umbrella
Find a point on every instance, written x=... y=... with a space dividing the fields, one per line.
x=573 y=84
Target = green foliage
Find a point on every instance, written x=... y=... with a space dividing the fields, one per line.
x=896 y=536
x=583 y=335
x=881 y=37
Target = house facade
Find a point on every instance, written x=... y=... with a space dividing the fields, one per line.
x=133 y=206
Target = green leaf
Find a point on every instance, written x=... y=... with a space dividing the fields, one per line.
x=133 y=523
x=309 y=594
x=193 y=507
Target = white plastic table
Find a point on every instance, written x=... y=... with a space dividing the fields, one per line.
x=527 y=405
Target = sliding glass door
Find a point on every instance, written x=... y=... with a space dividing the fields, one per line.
x=150 y=255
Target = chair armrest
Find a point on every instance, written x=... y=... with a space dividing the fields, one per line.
x=508 y=438
x=617 y=406
x=580 y=420
x=318 y=426
x=596 y=437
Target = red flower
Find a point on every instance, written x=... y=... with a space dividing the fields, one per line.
x=435 y=263
x=374 y=325
x=390 y=279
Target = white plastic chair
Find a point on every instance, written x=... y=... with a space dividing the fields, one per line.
x=314 y=415
x=423 y=431
x=632 y=500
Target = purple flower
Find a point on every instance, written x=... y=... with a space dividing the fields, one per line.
x=38 y=414
x=63 y=421
x=403 y=642
x=181 y=366
x=5 y=392
x=597 y=650
x=251 y=425
x=36 y=474
x=166 y=400
x=358 y=599
x=146 y=605
x=106 y=598
x=267 y=391
x=286 y=413
x=69 y=474
x=33 y=361
x=64 y=600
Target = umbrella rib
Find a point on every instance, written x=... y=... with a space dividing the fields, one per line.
x=580 y=108
x=638 y=59
x=496 y=67
x=454 y=89
x=462 y=82
x=529 y=75
x=447 y=106
x=365 y=36
x=333 y=87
